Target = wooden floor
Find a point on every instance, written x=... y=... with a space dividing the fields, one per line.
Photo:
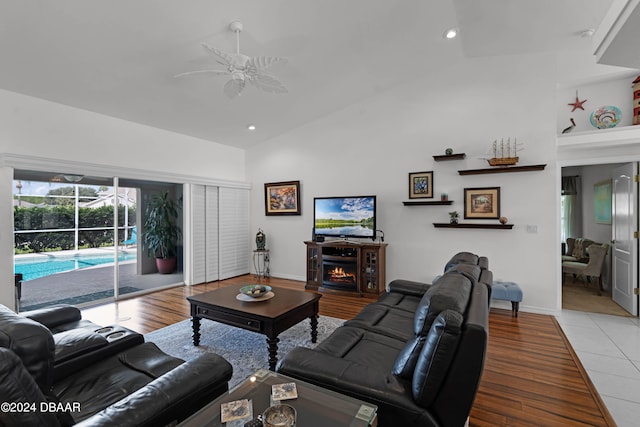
x=532 y=377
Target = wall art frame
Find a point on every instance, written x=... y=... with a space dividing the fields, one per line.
x=602 y=202
x=421 y=185
x=482 y=203
x=282 y=198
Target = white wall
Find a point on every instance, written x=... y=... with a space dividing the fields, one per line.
x=32 y=128
x=370 y=147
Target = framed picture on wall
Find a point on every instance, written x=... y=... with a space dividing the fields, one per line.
x=282 y=198
x=421 y=185
x=482 y=203
x=602 y=202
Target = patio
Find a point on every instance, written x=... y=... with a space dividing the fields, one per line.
x=81 y=287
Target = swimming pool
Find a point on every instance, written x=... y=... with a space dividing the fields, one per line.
x=34 y=268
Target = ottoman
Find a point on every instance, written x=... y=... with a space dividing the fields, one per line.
x=507 y=291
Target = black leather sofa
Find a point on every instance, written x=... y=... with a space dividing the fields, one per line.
x=417 y=353
x=62 y=370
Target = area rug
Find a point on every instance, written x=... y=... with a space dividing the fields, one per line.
x=245 y=350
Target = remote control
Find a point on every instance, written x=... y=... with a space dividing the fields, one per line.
x=253 y=423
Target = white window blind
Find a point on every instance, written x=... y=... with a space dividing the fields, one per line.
x=211 y=234
x=233 y=226
x=198 y=236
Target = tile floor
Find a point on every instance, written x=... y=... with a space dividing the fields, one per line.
x=609 y=348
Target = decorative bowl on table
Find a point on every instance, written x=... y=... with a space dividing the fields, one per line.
x=255 y=291
x=280 y=415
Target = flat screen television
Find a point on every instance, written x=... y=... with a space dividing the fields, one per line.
x=345 y=216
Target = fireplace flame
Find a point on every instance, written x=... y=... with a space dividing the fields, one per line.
x=339 y=275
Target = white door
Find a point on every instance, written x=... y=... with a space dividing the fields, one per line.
x=624 y=200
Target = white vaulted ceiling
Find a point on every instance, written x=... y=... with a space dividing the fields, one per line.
x=118 y=57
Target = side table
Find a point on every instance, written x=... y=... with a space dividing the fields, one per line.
x=261 y=262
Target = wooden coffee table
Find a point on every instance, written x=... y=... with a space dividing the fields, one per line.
x=271 y=317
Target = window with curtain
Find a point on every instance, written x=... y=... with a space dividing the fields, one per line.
x=569 y=208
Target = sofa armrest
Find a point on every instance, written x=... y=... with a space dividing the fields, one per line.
x=170 y=398
x=408 y=287
x=54 y=316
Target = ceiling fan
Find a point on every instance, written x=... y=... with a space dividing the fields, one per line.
x=243 y=68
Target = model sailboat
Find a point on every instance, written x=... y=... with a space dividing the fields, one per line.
x=505 y=154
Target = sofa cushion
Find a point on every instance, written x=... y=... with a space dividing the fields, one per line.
x=472 y=271
x=450 y=292
x=113 y=378
x=406 y=360
x=435 y=357
x=382 y=319
x=148 y=358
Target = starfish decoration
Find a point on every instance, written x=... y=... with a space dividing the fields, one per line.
x=577 y=104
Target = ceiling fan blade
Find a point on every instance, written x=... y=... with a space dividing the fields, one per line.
x=268 y=83
x=227 y=58
x=267 y=61
x=216 y=72
x=233 y=87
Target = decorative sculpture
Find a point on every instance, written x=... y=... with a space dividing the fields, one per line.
x=261 y=240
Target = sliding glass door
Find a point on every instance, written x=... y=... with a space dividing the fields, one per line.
x=77 y=238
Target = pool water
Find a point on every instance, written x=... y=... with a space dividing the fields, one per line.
x=36 y=268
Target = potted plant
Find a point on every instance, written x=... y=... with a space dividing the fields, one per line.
x=161 y=232
x=453 y=217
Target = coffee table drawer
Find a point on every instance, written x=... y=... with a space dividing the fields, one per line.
x=231 y=319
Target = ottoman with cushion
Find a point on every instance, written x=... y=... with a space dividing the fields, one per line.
x=507 y=291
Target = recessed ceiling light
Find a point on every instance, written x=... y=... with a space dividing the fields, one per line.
x=589 y=32
x=251 y=127
x=451 y=33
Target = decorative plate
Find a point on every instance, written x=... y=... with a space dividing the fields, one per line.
x=605 y=117
x=247 y=298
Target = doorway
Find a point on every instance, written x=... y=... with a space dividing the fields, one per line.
x=583 y=216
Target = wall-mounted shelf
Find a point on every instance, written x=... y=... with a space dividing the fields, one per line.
x=427 y=202
x=618 y=136
x=527 y=168
x=470 y=225
x=456 y=156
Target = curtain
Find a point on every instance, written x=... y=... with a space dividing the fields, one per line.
x=569 y=185
x=569 y=215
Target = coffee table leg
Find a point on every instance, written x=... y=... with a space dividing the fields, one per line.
x=272 y=344
x=195 y=321
x=314 y=328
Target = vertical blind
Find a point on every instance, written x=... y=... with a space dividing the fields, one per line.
x=220 y=240
x=233 y=226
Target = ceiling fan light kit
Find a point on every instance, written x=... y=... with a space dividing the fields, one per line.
x=243 y=68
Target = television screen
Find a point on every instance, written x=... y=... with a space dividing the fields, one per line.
x=345 y=216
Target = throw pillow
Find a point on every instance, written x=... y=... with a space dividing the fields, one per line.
x=406 y=360
x=432 y=365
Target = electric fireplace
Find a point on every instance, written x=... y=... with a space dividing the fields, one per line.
x=340 y=273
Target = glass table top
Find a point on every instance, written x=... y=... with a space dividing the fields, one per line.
x=315 y=406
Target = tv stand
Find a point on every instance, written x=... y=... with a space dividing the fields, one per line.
x=361 y=267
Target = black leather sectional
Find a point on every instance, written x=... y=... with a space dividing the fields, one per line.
x=417 y=353
x=70 y=371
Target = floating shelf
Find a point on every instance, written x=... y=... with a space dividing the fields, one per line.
x=506 y=169
x=469 y=225
x=458 y=156
x=427 y=203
